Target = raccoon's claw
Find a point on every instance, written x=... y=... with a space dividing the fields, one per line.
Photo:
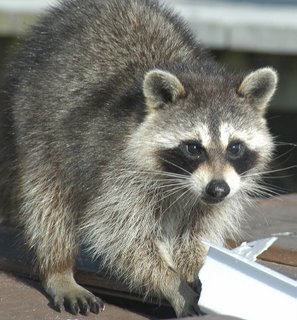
x=67 y=294
x=96 y=305
x=83 y=305
x=185 y=302
x=59 y=304
x=193 y=310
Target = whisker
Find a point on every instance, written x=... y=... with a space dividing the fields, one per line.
x=164 y=186
x=268 y=190
x=284 y=162
x=170 y=193
x=193 y=198
x=261 y=193
x=261 y=190
x=268 y=171
x=155 y=172
x=275 y=188
x=285 y=153
x=175 y=165
x=178 y=187
x=274 y=117
x=279 y=177
x=175 y=201
x=279 y=143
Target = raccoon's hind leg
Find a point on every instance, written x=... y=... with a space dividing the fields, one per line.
x=49 y=226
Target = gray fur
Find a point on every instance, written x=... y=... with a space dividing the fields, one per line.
x=95 y=136
x=160 y=87
x=259 y=87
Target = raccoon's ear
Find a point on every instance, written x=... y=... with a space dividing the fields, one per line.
x=161 y=87
x=258 y=88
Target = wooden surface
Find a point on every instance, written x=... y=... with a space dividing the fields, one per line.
x=275 y=217
x=23 y=298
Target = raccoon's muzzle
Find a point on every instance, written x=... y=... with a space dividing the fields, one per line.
x=216 y=191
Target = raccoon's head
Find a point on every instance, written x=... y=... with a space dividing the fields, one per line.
x=206 y=131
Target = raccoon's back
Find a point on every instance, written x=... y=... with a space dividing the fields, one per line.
x=92 y=40
x=85 y=54
x=72 y=69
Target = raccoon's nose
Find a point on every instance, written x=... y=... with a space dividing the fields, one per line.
x=218 y=189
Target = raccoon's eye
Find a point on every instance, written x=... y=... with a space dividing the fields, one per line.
x=235 y=150
x=195 y=149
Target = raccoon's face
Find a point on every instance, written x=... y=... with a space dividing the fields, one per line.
x=210 y=135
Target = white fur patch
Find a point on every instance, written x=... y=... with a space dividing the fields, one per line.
x=226 y=131
x=204 y=134
x=200 y=178
x=232 y=179
x=173 y=139
x=253 y=139
x=164 y=253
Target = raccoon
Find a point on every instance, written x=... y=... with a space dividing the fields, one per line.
x=120 y=132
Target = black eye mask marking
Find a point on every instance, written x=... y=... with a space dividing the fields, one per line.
x=187 y=157
x=183 y=159
x=240 y=157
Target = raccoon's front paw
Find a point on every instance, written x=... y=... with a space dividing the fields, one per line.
x=185 y=303
x=77 y=301
x=190 y=308
x=67 y=294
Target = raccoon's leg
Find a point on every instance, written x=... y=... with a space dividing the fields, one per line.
x=49 y=225
x=150 y=265
x=185 y=300
x=189 y=257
